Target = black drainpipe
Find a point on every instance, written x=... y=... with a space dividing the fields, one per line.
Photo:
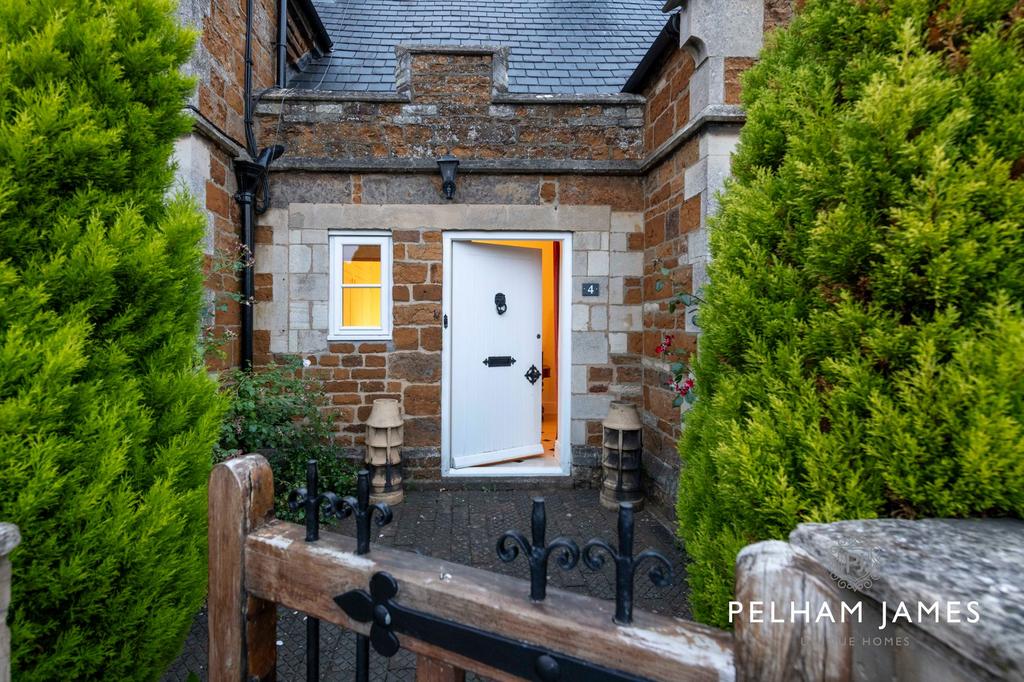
x=253 y=182
x=282 y=43
x=667 y=40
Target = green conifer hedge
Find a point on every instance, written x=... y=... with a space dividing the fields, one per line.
x=863 y=348
x=107 y=419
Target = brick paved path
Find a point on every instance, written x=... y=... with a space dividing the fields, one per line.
x=462 y=527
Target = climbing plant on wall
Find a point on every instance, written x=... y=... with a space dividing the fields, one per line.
x=107 y=417
x=863 y=347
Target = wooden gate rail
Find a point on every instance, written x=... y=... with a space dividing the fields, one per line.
x=257 y=562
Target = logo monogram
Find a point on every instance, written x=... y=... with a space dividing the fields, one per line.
x=856 y=563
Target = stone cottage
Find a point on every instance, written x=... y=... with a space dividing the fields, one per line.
x=505 y=311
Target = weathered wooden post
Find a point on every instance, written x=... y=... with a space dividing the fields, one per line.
x=771 y=577
x=242 y=628
x=10 y=538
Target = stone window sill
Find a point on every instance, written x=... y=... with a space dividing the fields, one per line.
x=360 y=336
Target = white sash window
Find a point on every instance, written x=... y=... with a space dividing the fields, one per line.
x=360 y=281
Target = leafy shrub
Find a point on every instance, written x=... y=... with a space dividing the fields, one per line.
x=863 y=352
x=276 y=411
x=107 y=418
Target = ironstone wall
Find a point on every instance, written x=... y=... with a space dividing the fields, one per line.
x=633 y=176
x=678 y=191
x=291 y=316
x=455 y=100
x=528 y=163
x=670 y=218
x=638 y=170
x=692 y=120
x=205 y=156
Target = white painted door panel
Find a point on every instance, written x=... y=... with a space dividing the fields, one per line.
x=495 y=411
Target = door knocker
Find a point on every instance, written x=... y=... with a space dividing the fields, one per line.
x=499 y=303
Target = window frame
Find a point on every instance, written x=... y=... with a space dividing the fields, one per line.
x=336 y=241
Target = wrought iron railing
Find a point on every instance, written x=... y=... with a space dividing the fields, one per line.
x=311 y=502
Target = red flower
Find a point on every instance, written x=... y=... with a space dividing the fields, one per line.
x=664 y=346
x=683 y=388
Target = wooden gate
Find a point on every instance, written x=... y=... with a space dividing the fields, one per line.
x=453 y=617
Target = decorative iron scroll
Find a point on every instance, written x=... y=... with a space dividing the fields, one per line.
x=626 y=565
x=537 y=552
x=388 y=617
x=311 y=502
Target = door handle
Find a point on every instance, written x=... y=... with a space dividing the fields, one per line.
x=532 y=374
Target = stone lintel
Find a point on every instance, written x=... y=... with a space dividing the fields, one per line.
x=455 y=217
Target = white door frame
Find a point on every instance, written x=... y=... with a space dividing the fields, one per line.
x=564 y=446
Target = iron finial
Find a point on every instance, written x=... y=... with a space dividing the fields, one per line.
x=360 y=507
x=626 y=564
x=537 y=552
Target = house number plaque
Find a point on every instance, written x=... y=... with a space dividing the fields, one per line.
x=591 y=289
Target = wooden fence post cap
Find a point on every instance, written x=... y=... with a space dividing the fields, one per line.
x=242 y=466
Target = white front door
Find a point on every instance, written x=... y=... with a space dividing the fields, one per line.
x=496 y=324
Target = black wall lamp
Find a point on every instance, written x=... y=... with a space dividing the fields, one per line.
x=449 y=166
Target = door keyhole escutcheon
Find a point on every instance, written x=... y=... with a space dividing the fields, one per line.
x=532 y=374
x=499 y=303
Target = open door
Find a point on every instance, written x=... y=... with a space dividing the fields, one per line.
x=496 y=326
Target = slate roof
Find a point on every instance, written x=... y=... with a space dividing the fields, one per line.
x=555 y=46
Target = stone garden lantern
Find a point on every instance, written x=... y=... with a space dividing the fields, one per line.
x=384 y=436
x=620 y=456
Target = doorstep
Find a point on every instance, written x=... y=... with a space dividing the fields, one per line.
x=496 y=483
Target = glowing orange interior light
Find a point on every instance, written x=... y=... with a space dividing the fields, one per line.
x=360 y=286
